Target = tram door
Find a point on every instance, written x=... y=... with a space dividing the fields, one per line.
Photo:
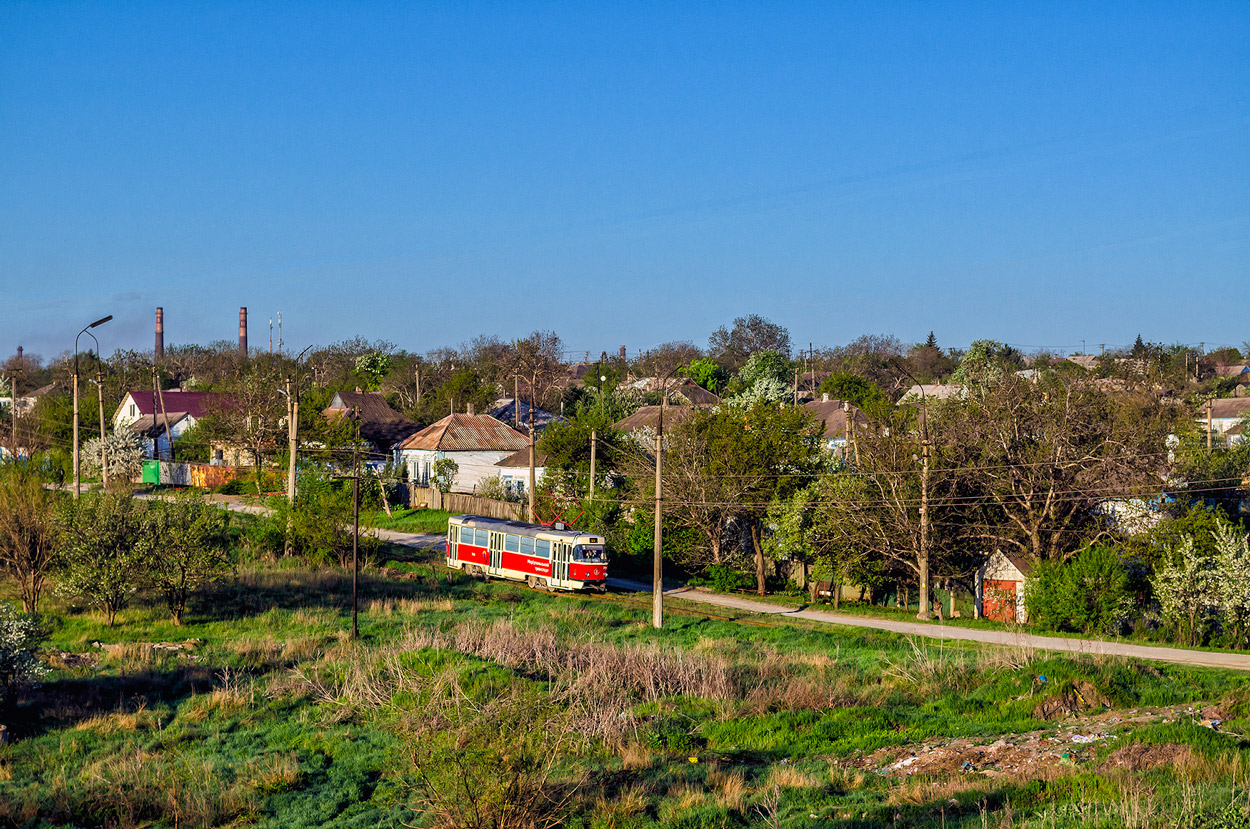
x=560 y=561
x=496 y=550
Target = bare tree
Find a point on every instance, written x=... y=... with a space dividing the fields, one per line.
x=731 y=347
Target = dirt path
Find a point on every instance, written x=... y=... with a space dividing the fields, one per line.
x=1235 y=661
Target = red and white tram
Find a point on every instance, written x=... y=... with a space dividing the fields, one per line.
x=541 y=556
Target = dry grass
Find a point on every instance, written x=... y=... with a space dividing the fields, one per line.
x=131 y=722
x=730 y=786
x=786 y=776
x=635 y=756
x=407 y=607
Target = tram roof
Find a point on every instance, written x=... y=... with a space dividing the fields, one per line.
x=504 y=523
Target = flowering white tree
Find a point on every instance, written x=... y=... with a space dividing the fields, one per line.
x=125 y=454
x=1186 y=588
x=1232 y=588
x=20 y=636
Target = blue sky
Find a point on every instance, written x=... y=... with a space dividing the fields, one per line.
x=628 y=173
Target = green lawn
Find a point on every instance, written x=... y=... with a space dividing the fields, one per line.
x=467 y=694
x=408 y=520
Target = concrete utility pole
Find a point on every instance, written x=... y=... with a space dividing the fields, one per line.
x=594 y=445
x=169 y=437
x=924 y=528
x=292 y=429
x=533 y=514
x=657 y=567
x=104 y=451
x=13 y=404
x=1210 y=405
x=77 y=460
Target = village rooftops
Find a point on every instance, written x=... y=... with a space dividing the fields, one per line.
x=379 y=423
x=467 y=433
x=832 y=413
x=648 y=417
x=194 y=403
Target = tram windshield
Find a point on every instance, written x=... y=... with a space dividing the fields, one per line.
x=592 y=555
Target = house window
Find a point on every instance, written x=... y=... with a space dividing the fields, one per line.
x=132 y=409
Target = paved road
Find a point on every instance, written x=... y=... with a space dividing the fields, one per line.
x=1236 y=661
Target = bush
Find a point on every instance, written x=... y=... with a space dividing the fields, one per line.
x=724 y=579
x=1087 y=594
x=20 y=638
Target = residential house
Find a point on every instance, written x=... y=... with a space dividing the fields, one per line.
x=834 y=416
x=923 y=392
x=1239 y=373
x=155 y=418
x=516 y=413
x=646 y=419
x=381 y=427
x=514 y=470
x=1085 y=361
x=1000 y=583
x=475 y=442
x=1223 y=415
x=680 y=392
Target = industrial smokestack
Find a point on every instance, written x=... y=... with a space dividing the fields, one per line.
x=622 y=352
x=243 y=331
x=19 y=356
x=160 y=332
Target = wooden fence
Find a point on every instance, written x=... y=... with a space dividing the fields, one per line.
x=461 y=503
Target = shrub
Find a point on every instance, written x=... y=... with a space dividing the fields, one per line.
x=102 y=561
x=1087 y=594
x=20 y=638
x=725 y=579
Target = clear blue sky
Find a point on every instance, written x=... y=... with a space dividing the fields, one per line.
x=625 y=173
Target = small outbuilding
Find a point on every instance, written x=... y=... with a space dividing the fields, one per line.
x=1000 y=587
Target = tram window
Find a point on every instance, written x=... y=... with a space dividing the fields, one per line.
x=512 y=543
x=466 y=535
x=527 y=546
x=481 y=538
x=542 y=548
x=590 y=554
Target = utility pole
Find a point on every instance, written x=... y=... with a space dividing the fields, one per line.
x=13 y=406
x=657 y=567
x=292 y=428
x=796 y=385
x=279 y=332
x=169 y=438
x=104 y=450
x=77 y=478
x=1210 y=405
x=594 y=445
x=355 y=522
x=924 y=528
x=533 y=515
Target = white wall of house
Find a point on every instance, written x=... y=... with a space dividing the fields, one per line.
x=161 y=443
x=517 y=478
x=475 y=466
x=126 y=413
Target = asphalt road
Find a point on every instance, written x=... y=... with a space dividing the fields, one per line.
x=1235 y=661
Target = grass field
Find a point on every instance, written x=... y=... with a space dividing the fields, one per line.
x=465 y=699
x=408 y=520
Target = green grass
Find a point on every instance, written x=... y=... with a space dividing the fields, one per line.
x=408 y=520
x=281 y=720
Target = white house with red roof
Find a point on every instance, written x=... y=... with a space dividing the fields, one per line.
x=475 y=442
x=156 y=418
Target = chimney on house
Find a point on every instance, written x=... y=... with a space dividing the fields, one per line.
x=824 y=397
x=243 y=331
x=468 y=408
x=160 y=332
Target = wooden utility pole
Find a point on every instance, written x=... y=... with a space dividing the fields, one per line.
x=104 y=451
x=594 y=445
x=164 y=416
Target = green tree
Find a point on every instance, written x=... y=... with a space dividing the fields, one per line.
x=104 y=556
x=28 y=533
x=1087 y=594
x=858 y=391
x=373 y=368
x=187 y=545
x=707 y=374
x=443 y=474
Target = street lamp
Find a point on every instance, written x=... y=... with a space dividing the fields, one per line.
x=87 y=331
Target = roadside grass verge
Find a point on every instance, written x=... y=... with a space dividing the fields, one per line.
x=407 y=520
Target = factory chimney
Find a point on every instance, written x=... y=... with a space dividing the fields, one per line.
x=160 y=332
x=622 y=353
x=243 y=331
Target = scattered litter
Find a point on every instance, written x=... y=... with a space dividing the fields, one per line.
x=1082 y=738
